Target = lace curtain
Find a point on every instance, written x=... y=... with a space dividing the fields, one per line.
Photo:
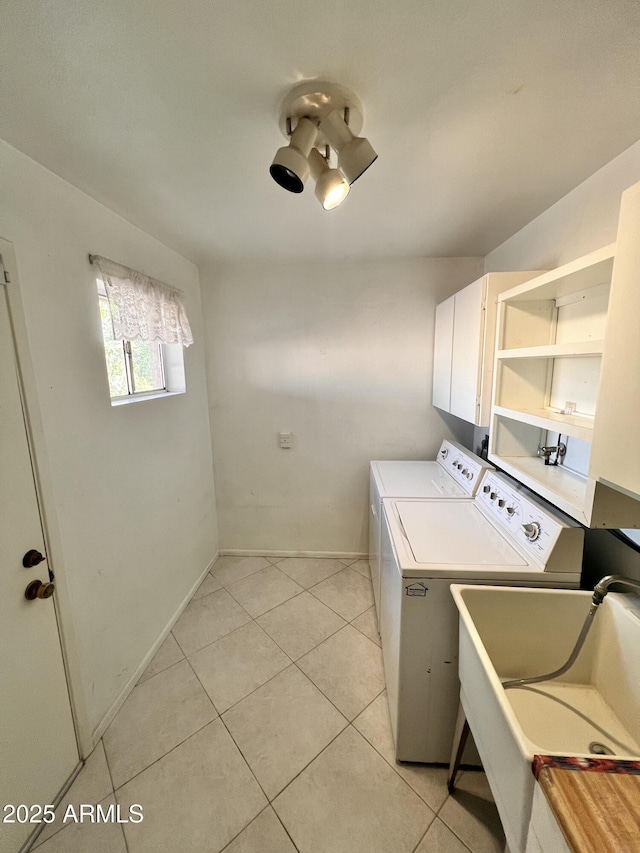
x=143 y=309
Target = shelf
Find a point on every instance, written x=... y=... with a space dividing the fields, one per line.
x=589 y=271
x=566 y=350
x=558 y=485
x=576 y=426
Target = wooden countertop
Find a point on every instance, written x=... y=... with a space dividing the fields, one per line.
x=597 y=812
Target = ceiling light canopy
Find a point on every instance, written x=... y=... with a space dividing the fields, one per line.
x=316 y=115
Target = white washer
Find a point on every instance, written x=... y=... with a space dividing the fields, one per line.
x=454 y=474
x=503 y=536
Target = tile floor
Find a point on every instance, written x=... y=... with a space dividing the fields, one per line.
x=261 y=726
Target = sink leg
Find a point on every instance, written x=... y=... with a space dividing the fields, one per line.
x=460 y=735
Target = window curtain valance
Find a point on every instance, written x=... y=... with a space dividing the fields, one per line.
x=142 y=308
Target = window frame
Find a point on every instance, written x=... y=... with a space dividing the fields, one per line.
x=171 y=360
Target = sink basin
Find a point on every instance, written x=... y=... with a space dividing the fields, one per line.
x=508 y=633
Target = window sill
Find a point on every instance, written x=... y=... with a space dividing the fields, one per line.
x=139 y=398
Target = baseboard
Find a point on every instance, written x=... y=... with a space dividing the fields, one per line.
x=338 y=555
x=113 y=710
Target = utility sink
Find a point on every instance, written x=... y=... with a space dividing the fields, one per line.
x=591 y=710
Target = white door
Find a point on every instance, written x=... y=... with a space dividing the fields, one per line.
x=38 y=749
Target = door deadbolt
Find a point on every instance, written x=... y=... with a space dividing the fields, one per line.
x=32 y=558
x=38 y=589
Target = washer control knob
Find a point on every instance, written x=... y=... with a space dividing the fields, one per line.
x=531 y=530
x=511 y=510
x=501 y=502
x=470 y=475
x=444 y=453
x=486 y=489
x=465 y=471
x=493 y=496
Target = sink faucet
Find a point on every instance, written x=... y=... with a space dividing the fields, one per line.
x=602 y=587
x=599 y=592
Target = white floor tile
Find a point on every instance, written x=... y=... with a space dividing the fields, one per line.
x=207 y=619
x=168 y=654
x=208 y=585
x=350 y=801
x=427 y=781
x=300 y=624
x=362 y=567
x=282 y=726
x=346 y=592
x=157 y=715
x=237 y=664
x=80 y=837
x=263 y=835
x=472 y=815
x=230 y=569
x=308 y=571
x=91 y=785
x=263 y=590
x=348 y=669
x=440 y=839
x=197 y=798
x=367 y=624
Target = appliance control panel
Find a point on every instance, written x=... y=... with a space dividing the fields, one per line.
x=464 y=466
x=534 y=526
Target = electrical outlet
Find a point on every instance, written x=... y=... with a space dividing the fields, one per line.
x=286 y=440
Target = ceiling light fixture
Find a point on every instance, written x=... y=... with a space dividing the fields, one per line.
x=314 y=115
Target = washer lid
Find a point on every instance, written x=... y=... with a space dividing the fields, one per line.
x=417 y=479
x=455 y=533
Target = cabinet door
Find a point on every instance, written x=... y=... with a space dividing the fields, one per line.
x=442 y=350
x=466 y=358
x=614 y=455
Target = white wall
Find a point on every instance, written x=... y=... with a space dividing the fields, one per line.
x=340 y=354
x=582 y=221
x=132 y=487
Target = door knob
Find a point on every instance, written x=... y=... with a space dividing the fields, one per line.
x=38 y=589
x=32 y=558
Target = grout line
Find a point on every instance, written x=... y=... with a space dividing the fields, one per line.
x=197 y=677
x=309 y=763
x=429 y=825
x=106 y=758
x=244 y=758
x=226 y=846
x=160 y=757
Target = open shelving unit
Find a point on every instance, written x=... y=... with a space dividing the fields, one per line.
x=552 y=341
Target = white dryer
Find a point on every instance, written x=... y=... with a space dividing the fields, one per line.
x=454 y=474
x=503 y=536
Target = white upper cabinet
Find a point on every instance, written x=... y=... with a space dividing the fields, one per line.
x=464 y=347
x=442 y=352
x=566 y=395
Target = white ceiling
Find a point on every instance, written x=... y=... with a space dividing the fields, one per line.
x=483 y=112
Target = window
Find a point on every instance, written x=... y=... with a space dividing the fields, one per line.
x=144 y=329
x=133 y=367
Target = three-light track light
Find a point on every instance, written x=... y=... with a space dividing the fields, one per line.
x=316 y=115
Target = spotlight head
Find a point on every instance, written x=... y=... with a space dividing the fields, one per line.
x=290 y=168
x=331 y=187
x=355 y=153
x=355 y=158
